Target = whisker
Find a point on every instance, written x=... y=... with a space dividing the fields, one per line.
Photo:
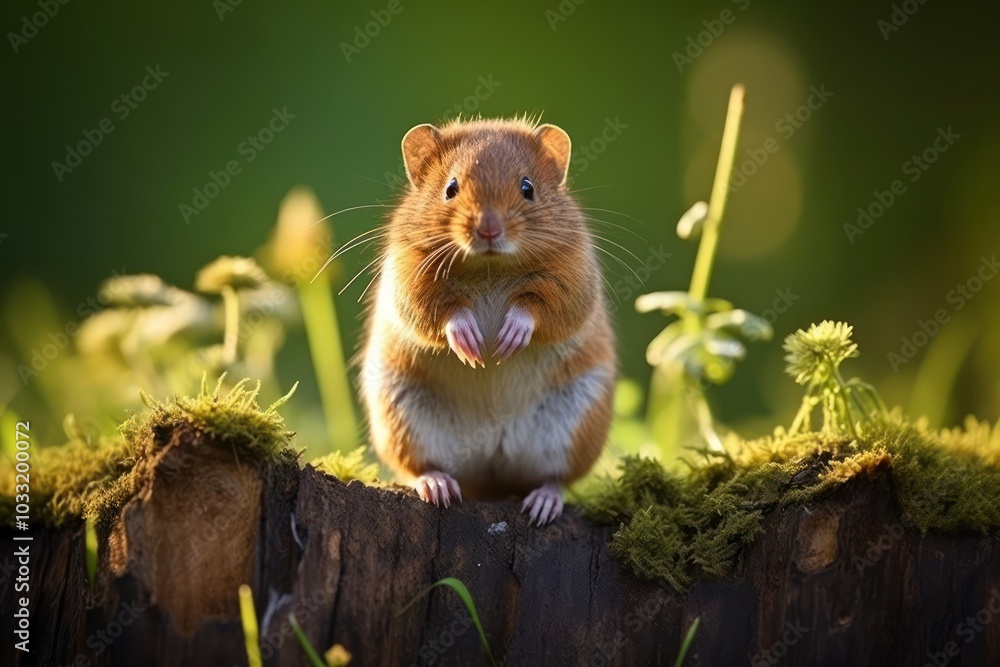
x=592 y=187
x=356 y=276
x=620 y=261
x=358 y=240
x=616 y=226
x=430 y=259
x=397 y=188
x=454 y=254
x=608 y=210
x=377 y=273
x=618 y=245
x=352 y=208
x=453 y=258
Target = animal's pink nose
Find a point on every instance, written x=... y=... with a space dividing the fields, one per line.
x=490 y=228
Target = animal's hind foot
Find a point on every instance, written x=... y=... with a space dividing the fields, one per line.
x=544 y=504
x=438 y=488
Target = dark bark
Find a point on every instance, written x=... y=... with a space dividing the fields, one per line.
x=356 y=556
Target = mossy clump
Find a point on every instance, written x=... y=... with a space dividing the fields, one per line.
x=675 y=527
x=233 y=417
x=96 y=479
x=63 y=478
x=348 y=467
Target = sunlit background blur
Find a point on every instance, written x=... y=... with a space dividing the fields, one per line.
x=641 y=89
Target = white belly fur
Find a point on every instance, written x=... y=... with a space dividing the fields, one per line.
x=503 y=423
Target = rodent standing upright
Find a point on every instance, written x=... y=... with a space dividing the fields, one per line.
x=489 y=257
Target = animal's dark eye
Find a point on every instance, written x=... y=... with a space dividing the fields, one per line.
x=527 y=189
x=451 y=191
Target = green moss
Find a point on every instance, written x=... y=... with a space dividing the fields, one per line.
x=61 y=479
x=96 y=480
x=233 y=417
x=348 y=467
x=677 y=527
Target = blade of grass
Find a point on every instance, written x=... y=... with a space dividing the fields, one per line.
x=720 y=193
x=304 y=642
x=688 y=640
x=90 y=541
x=319 y=315
x=470 y=605
x=251 y=634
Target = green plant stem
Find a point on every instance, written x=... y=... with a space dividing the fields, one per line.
x=325 y=347
x=688 y=640
x=90 y=542
x=666 y=412
x=231 y=301
x=660 y=388
x=720 y=193
x=251 y=634
x=304 y=642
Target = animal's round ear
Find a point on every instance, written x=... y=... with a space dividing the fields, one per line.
x=420 y=144
x=556 y=143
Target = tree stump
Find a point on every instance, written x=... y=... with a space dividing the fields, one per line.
x=842 y=581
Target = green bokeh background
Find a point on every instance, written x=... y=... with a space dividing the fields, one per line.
x=606 y=60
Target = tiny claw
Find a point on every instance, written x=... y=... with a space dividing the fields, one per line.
x=544 y=504
x=515 y=333
x=437 y=488
x=464 y=337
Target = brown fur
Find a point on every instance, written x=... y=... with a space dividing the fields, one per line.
x=553 y=275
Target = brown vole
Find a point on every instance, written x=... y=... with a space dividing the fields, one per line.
x=489 y=364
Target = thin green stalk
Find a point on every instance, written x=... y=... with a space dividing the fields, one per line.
x=720 y=194
x=470 y=605
x=251 y=634
x=231 y=336
x=304 y=642
x=659 y=390
x=90 y=544
x=688 y=640
x=934 y=383
x=320 y=317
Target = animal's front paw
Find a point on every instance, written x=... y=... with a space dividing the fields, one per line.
x=464 y=337
x=544 y=504
x=438 y=488
x=515 y=334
